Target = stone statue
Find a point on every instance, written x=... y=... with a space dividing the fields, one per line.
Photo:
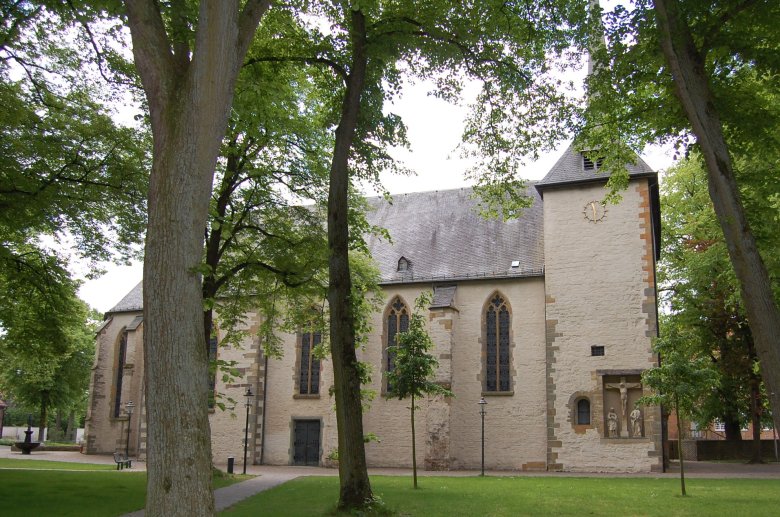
x=636 y=423
x=623 y=388
x=612 y=423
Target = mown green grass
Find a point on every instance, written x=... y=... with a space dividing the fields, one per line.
x=6 y=463
x=500 y=496
x=75 y=492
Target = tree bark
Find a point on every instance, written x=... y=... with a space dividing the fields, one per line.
x=755 y=418
x=414 y=448
x=692 y=88
x=355 y=489
x=189 y=96
x=44 y=416
x=680 y=445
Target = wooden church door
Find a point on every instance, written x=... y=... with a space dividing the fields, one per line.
x=306 y=442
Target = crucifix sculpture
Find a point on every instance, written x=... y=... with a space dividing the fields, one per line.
x=623 y=388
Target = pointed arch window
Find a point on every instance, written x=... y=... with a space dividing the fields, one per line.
x=403 y=265
x=497 y=325
x=309 y=364
x=120 y=373
x=397 y=321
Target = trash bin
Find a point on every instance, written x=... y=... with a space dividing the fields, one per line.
x=231 y=461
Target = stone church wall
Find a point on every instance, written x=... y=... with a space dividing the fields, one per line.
x=600 y=292
x=105 y=432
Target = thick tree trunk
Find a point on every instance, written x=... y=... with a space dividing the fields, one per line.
x=355 y=488
x=189 y=99
x=733 y=428
x=686 y=64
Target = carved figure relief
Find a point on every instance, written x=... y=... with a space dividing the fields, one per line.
x=623 y=387
x=612 y=423
x=636 y=423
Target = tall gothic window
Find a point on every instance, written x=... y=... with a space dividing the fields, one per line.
x=120 y=372
x=397 y=321
x=309 y=370
x=212 y=372
x=497 y=345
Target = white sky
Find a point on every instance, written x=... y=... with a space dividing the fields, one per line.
x=434 y=131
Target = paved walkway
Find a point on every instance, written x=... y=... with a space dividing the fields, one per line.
x=271 y=476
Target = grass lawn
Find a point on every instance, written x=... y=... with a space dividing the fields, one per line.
x=6 y=463
x=72 y=491
x=500 y=496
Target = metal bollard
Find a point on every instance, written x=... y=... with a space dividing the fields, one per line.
x=231 y=460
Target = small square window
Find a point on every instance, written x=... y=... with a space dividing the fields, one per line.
x=597 y=350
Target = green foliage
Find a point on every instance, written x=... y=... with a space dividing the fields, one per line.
x=699 y=287
x=414 y=364
x=48 y=363
x=683 y=379
x=631 y=99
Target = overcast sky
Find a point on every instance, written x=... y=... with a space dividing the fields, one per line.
x=434 y=130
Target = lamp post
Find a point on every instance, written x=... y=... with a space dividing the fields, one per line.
x=482 y=403
x=129 y=407
x=249 y=396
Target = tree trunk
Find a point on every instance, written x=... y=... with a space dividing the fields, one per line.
x=755 y=414
x=44 y=416
x=686 y=64
x=355 y=489
x=414 y=448
x=72 y=430
x=733 y=428
x=680 y=446
x=189 y=99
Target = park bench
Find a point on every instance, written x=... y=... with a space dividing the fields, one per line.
x=122 y=461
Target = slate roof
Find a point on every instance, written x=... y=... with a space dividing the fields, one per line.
x=569 y=170
x=133 y=301
x=444 y=239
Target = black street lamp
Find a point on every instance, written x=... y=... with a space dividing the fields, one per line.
x=482 y=403
x=249 y=397
x=129 y=407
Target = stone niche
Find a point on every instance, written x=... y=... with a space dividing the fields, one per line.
x=621 y=418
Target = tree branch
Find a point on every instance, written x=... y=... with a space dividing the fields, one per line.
x=340 y=71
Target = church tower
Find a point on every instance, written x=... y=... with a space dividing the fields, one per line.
x=600 y=317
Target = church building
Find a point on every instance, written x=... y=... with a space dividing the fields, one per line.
x=550 y=318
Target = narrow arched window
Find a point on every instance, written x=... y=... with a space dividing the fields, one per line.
x=120 y=373
x=403 y=264
x=497 y=345
x=583 y=412
x=309 y=369
x=397 y=321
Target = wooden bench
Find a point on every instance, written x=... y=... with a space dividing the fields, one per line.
x=122 y=461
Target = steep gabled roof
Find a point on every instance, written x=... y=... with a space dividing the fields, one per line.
x=569 y=170
x=133 y=301
x=444 y=239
